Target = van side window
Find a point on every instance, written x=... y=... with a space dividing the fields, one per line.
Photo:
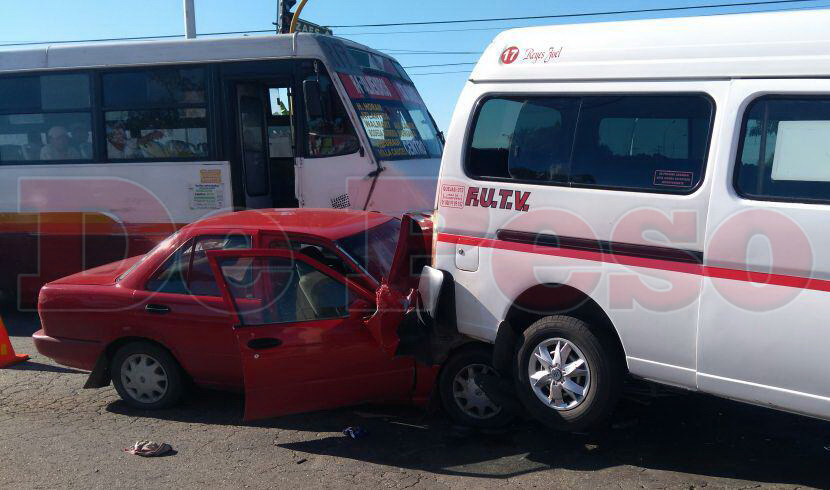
x=785 y=150
x=634 y=142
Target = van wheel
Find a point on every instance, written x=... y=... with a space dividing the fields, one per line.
x=463 y=400
x=146 y=376
x=567 y=375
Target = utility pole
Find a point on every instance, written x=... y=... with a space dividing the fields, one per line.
x=189 y=20
x=284 y=15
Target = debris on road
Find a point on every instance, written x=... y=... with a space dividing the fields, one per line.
x=355 y=432
x=149 y=449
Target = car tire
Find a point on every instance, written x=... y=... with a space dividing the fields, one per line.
x=462 y=399
x=592 y=365
x=146 y=376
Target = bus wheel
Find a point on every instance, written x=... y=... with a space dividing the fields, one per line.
x=567 y=376
x=463 y=400
x=146 y=376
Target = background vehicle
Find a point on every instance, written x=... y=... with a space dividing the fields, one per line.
x=301 y=309
x=611 y=201
x=105 y=149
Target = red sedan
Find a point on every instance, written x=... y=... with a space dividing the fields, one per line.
x=300 y=309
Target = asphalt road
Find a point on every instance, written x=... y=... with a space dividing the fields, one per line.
x=53 y=433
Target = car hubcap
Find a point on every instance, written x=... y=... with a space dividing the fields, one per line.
x=144 y=378
x=558 y=374
x=469 y=397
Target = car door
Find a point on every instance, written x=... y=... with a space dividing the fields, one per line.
x=182 y=306
x=300 y=328
x=763 y=334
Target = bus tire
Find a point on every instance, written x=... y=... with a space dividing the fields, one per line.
x=146 y=376
x=578 y=392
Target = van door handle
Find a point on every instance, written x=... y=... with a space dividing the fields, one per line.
x=157 y=309
x=264 y=343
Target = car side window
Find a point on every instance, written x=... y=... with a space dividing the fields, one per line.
x=283 y=290
x=188 y=270
x=317 y=252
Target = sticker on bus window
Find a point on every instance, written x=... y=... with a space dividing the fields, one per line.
x=673 y=178
x=374 y=125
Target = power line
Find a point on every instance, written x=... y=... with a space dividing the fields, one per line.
x=440 y=64
x=580 y=14
x=503 y=27
x=438 y=73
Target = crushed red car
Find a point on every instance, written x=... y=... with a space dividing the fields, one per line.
x=300 y=309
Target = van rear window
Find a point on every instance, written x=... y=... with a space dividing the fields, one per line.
x=635 y=142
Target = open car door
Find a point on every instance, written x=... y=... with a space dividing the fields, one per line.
x=301 y=331
x=397 y=294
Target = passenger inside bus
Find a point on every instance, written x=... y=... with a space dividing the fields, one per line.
x=58 y=146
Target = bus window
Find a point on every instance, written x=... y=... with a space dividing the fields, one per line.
x=155 y=114
x=330 y=133
x=280 y=130
x=392 y=113
x=45 y=118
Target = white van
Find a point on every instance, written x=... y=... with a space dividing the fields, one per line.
x=648 y=198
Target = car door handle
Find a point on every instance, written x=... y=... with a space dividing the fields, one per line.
x=157 y=309
x=264 y=343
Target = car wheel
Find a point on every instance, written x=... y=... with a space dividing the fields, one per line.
x=463 y=400
x=568 y=376
x=146 y=376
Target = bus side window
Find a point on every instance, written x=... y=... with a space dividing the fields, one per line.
x=329 y=133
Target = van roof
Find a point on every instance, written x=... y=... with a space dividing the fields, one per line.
x=779 y=44
x=154 y=52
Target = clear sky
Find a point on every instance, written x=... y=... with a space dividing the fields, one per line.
x=55 y=20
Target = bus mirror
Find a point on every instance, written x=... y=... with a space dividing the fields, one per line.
x=313 y=98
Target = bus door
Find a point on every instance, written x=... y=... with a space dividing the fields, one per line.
x=265 y=139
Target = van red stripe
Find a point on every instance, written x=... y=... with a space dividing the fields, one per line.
x=658 y=264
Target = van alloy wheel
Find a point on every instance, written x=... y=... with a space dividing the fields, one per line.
x=144 y=378
x=469 y=397
x=559 y=374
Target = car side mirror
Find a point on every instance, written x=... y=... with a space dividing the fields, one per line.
x=313 y=99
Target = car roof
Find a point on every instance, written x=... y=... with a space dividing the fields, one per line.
x=332 y=224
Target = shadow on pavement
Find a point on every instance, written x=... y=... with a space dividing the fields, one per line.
x=48 y=368
x=693 y=434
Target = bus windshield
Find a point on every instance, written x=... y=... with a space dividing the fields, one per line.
x=390 y=109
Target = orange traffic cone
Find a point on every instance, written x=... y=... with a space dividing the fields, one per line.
x=7 y=355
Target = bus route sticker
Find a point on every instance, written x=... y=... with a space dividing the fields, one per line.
x=210 y=176
x=452 y=196
x=207 y=196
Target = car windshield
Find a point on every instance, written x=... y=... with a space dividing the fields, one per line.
x=374 y=249
x=167 y=241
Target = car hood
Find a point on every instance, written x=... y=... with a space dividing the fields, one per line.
x=101 y=275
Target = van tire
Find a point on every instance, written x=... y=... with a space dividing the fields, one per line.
x=603 y=377
x=454 y=371
x=156 y=364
